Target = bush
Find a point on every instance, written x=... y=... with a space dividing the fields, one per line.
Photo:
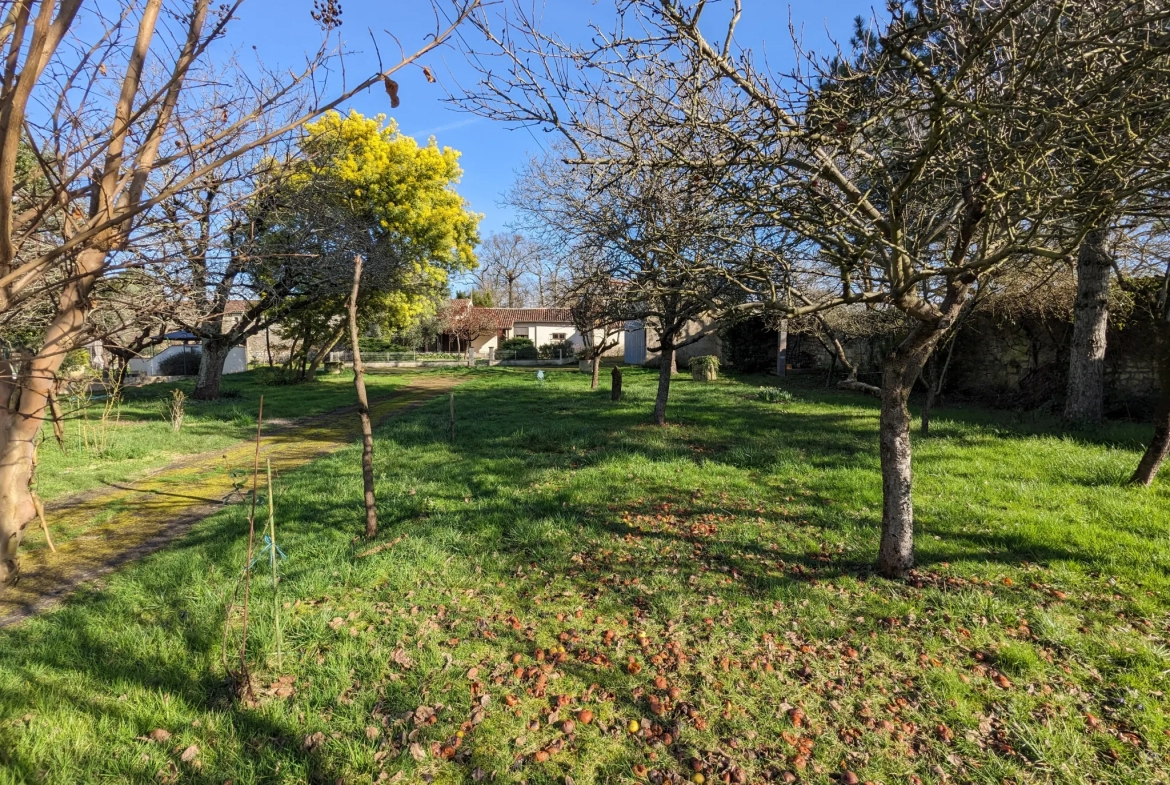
x=368 y=344
x=184 y=363
x=513 y=344
x=524 y=348
x=704 y=368
x=551 y=351
x=774 y=395
x=76 y=363
x=749 y=345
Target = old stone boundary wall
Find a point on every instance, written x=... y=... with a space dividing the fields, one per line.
x=1018 y=361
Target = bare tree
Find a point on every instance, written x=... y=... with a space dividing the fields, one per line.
x=938 y=153
x=506 y=264
x=657 y=240
x=599 y=313
x=463 y=321
x=119 y=127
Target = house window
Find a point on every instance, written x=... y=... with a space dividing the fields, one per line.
x=521 y=332
x=559 y=336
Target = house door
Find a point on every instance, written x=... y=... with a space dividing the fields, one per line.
x=635 y=349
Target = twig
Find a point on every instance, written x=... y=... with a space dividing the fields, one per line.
x=379 y=548
x=40 y=507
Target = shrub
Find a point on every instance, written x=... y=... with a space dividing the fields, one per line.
x=176 y=409
x=704 y=368
x=185 y=363
x=76 y=363
x=524 y=348
x=369 y=344
x=774 y=395
x=551 y=351
x=513 y=344
x=749 y=345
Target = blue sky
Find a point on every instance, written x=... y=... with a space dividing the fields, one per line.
x=282 y=32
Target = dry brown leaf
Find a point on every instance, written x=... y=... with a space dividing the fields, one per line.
x=392 y=91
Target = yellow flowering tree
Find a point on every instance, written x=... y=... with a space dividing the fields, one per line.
x=358 y=187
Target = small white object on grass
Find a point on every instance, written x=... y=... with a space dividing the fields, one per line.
x=540 y=376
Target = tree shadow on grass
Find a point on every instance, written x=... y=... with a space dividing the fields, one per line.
x=511 y=440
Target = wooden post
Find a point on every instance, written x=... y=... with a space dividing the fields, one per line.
x=782 y=349
x=615 y=391
x=272 y=563
x=359 y=383
x=248 y=564
x=452 y=416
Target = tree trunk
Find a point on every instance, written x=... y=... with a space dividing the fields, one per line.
x=17 y=463
x=211 y=360
x=782 y=349
x=23 y=403
x=665 y=371
x=328 y=347
x=902 y=367
x=1084 y=403
x=1159 y=446
x=359 y=383
x=615 y=385
x=596 y=371
x=926 y=407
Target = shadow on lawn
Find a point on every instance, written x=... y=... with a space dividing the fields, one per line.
x=507 y=439
x=1000 y=423
x=92 y=667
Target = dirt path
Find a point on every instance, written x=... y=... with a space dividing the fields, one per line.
x=101 y=530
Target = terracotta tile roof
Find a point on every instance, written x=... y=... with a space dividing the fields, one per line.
x=554 y=315
x=236 y=306
x=505 y=318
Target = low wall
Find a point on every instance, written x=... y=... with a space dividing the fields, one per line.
x=533 y=363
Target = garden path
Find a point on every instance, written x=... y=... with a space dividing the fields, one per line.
x=98 y=531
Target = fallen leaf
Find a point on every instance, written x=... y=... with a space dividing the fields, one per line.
x=417 y=752
x=392 y=91
x=159 y=735
x=189 y=754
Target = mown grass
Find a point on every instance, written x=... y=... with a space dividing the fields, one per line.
x=727 y=556
x=137 y=435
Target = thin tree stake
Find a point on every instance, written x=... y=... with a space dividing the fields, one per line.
x=44 y=524
x=452 y=416
x=251 y=541
x=359 y=384
x=272 y=561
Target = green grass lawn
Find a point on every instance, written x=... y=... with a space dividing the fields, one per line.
x=709 y=581
x=138 y=437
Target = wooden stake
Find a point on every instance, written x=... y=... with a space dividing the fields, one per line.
x=359 y=383
x=251 y=544
x=272 y=561
x=452 y=418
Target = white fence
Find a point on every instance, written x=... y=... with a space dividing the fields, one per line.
x=439 y=359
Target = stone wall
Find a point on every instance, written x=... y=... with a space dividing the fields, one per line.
x=1018 y=363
